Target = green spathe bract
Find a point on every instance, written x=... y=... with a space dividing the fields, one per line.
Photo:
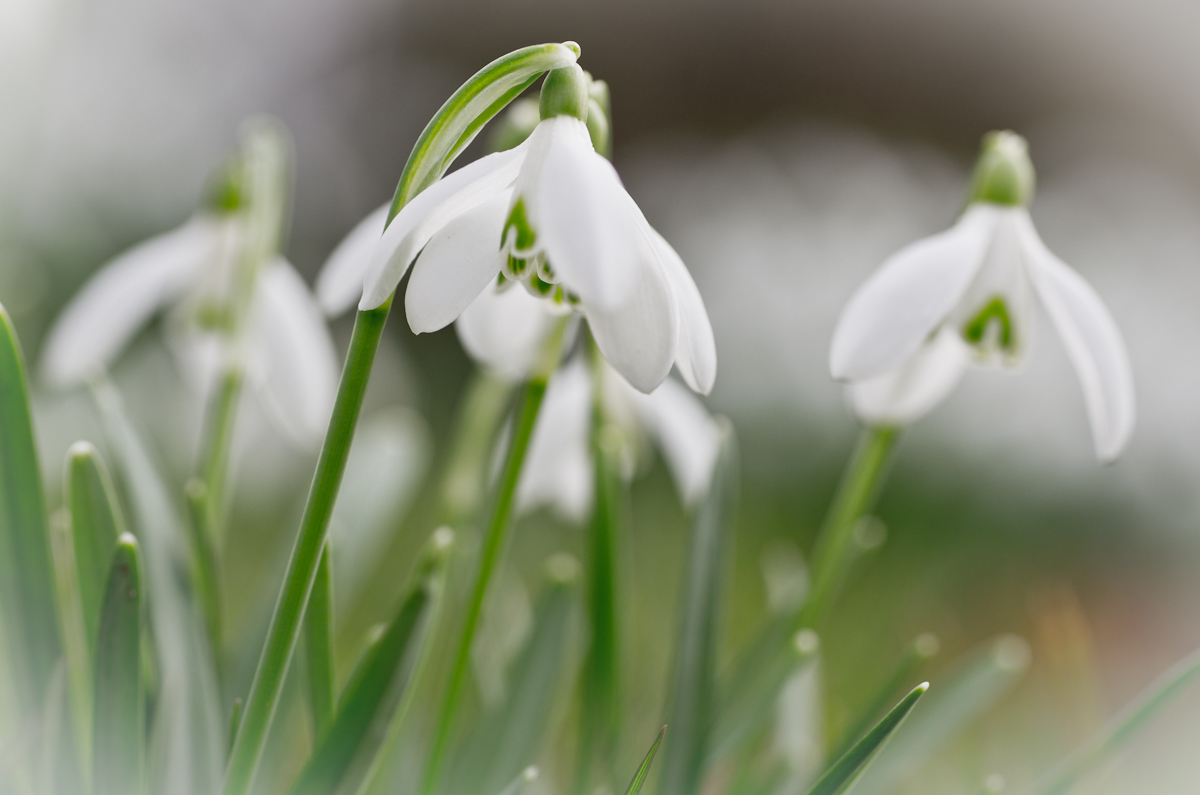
x=453 y=127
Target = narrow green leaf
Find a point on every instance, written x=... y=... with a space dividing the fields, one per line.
x=380 y=681
x=120 y=701
x=188 y=734
x=78 y=655
x=469 y=108
x=962 y=695
x=95 y=525
x=847 y=769
x=318 y=646
x=26 y=579
x=692 y=697
x=1122 y=728
x=235 y=720
x=509 y=738
x=639 y=778
x=204 y=557
x=918 y=652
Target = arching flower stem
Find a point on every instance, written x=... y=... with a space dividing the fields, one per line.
x=450 y=130
x=528 y=404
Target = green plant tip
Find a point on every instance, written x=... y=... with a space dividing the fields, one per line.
x=565 y=93
x=1003 y=173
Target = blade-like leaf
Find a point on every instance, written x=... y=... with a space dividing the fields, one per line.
x=695 y=657
x=847 y=769
x=318 y=648
x=187 y=743
x=78 y=656
x=961 y=696
x=1106 y=742
x=509 y=738
x=639 y=778
x=26 y=579
x=381 y=679
x=95 y=525
x=120 y=701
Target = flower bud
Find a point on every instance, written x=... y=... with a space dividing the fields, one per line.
x=565 y=93
x=1003 y=174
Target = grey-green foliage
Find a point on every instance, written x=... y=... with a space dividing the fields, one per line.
x=26 y=578
x=95 y=526
x=691 y=700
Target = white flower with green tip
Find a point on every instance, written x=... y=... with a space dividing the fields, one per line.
x=189 y=272
x=549 y=216
x=966 y=295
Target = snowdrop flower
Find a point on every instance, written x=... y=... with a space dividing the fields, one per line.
x=559 y=470
x=192 y=271
x=966 y=295
x=551 y=217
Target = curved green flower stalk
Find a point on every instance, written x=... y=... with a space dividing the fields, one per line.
x=450 y=130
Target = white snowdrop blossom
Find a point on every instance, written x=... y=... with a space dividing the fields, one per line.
x=966 y=296
x=549 y=216
x=286 y=352
x=559 y=470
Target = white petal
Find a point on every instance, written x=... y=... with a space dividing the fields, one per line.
x=903 y=396
x=696 y=357
x=298 y=366
x=582 y=217
x=428 y=211
x=1093 y=342
x=340 y=282
x=122 y=296
x=914 y=290
x=686 y=433
x=457 y=264
x=558 y=464
x=640 y=338
x=503 y=330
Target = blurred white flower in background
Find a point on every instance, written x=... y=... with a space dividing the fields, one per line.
x=286 y=352
x=975 y=280
x=559 y=470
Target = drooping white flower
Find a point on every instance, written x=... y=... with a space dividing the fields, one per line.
x=966 y=295
x=286 y=351
x=550 y=214
x=559 y=470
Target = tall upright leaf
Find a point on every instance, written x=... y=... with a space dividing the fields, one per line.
x=692 y=701
x=95 y=525
x=187 y=742
x=119 y=734
x=26 y=578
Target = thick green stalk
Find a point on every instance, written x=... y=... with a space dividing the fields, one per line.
x=600 y=715
x=318 y=647
x=497 y=532
x=835 y=551
x=302 y=568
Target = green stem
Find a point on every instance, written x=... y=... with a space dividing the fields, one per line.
x=600 y=715
x=318 y=647
x=213 y=468
x=302 y=568
x=204 y=561
x=835 y=549
x=527 y=411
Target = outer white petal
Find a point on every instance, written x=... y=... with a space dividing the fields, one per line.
x=457 y=264
x=582 y=217
x=122 y=297
x=640 y=338
x=297 y=365
x=914 y=290
x=1093 y=342
x=696 y=357
x=503 y=330
x=685 y=432
x=558 y=466
x=902 y=397
x=428 y=211
x=340 y=282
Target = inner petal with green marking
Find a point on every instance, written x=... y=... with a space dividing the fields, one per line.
x=994 y=311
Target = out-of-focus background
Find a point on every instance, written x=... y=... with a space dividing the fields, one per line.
x=785 y=148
